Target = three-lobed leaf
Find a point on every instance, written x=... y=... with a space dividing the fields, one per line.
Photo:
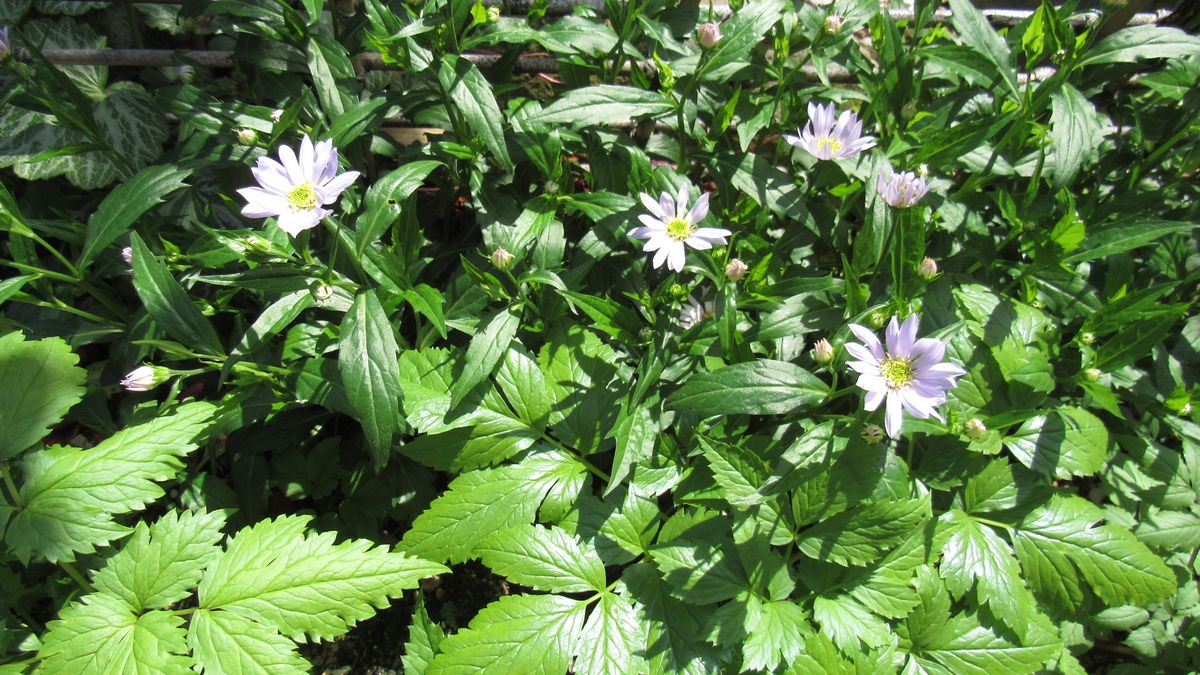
x=41 y=383
x=761 y=387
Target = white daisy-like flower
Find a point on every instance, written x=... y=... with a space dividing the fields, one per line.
x=694 y=312
x=294 y=189
x=901 y=190
x=671 y=227
x=909 y=373
x=827 y=137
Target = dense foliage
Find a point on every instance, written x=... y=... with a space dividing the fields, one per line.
x=397 y=294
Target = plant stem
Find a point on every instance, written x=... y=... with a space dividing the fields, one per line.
x=79 y=579
x=590 y=467
x=12 y=486
x=993 y=523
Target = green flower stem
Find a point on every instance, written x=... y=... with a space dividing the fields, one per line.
x=12 y=486
x=79 y=579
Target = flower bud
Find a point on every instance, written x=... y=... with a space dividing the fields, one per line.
x=927 y=268
x=185 y=73
x=247 y=136
x=1087 y=338
x=321 y=291
x=1186 y=410
x=822 y=352
x=501 y=259
x=145 y=378
x=493 y=14
x=976 y=428
x=735 y=270
x=1092 y=374
x=834 y=23
x=708 y=35
x=878 y=319
x=127 y=255
x=276 y=115
x=4 y=45
x=872 y=434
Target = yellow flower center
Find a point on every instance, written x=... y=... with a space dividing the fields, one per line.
x=679 y=229
x=303 y=197
x=897 y=373
x=828 y=142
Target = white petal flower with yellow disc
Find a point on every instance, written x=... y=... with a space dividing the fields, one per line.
x=671 y=227
x=295 y=189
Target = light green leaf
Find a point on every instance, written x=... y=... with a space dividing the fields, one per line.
x=41 y=383
x=483 y=501
x=635 y=434
x=1118 y=567
x=546 y=559
x=307 y=586
x=367 y=359
x=168 y=304
x=1074 y=133
x=472 y=94
x=71 y=495
x=224 y=642
x=699 y=572
x=603 y=104
x=1169 y=530
x=581 y=372
x=761 y=387
x=1064 y=443
x=671 y=626
x=975 y=555
x=126 y=203
x=101 y=635
x=332 y=73
x=611 y=639
x=577 y=35
x=487 y=347
x=1134 y=43
x=424 y=637
x=1125 y=235
x=738 y=471
x=776 y=636
x=525 y=388
x=975 y=31
x=528 y=634
x=845 y=621
x=161 y=563
x=860 y=536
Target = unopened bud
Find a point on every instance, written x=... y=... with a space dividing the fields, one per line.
x=247 y=136
x=822 y=351
x=708 y=35
x=976 y=428
x=1087 y=338
x=185 y=73
x=679 y=291
x=145 y=378
x=493 y=14
x=927 y=268
x=1092 y=374
x=276 y=115
x=878 y=319
x=321 y=291
x=501 y=259
x=735 y=270
x=1186 y=410
x=923 y=171
x=127 y=255
x=872 y=434
x=834 y=23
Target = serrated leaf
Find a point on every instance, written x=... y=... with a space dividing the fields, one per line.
x=976 y=556
x=738 y=471
x=581 y=373
x=367 y=356
x=671 y=626
x=699 y=572
x=126 y=203
x=534 y=634
x=1065 y=443
x=859 y=536
x=1124 y=235
x=1141 y=42
x=761 y=387
x=525 y=388
x=224 y=642
x=776 y=637
x=483 y=501
x=41 y=383
x=847 y=623
x=161 y=563
x=546 y=559
x=487 y=347
x=473 y=96
x=1118 y=567
x=384 y=198
x=611 y=639
x=975 y=31
x=1074 y=133
x=603 y=104
x=168 y=304
x=424 y=637
x=303 y=584
x=102 y=635
x=71 y=495
x=740 y=34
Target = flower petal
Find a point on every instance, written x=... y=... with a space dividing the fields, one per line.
x=678 y=256
x=334 y=188
x=699 y=210
x=295 y=222
x=308 y=159
x=893 y=418
x=287 y=157
x=872 y=400
x=868 y=338
x=654 y=207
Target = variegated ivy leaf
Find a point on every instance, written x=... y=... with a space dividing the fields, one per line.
x=67 y=33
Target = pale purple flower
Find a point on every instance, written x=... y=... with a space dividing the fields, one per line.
x=4 y=45
x=708 y=35
x=901 y=190
x=145 y=378
x=695 y=311
x=827 y=137
x=909 y=374
x=127 y=255
x=294 y=189
x=671 y=227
